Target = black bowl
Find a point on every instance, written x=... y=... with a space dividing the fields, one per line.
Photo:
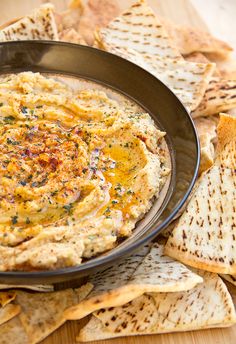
x=157 y=99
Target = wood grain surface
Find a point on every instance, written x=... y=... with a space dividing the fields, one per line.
x=181 y=12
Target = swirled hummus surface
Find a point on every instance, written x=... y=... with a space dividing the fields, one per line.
x=77 y=171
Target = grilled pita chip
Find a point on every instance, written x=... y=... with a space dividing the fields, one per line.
x=190 y=39
x=71 y=36
x=229 y=278
x=13 y=332
x=207 y=305
x=96 y=14
x=205 y=236
x=69 y=19
x=139 y=29
x=196 y=57
x=138 y=35
x=220 y=96
x=7 y=310
x=206 y=129
x=156 y=273
x=38 y=25
x=42 y=313
x=226 y=66
x=6 y=297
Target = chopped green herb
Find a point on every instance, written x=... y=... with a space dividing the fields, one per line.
x=68 y=207
x=24 y=109
x=9 y=119
x=14 y=219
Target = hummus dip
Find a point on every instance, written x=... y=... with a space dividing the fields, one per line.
x=78 y=170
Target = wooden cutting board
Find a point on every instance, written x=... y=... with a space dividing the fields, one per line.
x=181 y=12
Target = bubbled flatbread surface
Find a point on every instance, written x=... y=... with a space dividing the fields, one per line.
x=207 y=305
x=205 y=236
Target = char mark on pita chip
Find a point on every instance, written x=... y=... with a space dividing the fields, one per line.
x=220 y=96
x=40 y=24
x=139 y=36
x=207 y=305
x=205 y=236
x=133 y=277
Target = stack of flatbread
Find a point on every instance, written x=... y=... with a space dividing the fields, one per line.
x=175 y=284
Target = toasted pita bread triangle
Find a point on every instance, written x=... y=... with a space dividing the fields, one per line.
x=6 y=297
x=40 y=24
x=229 y=278
x=139 y=29
x=206 y=129
x=226 y=147
x=190 y=39
x=155 y=273
x=13 y=332
x=42 y=313
x=8 y=312
x=219 y=96
x=207 y=305
x=205 y=236
x=138 y=35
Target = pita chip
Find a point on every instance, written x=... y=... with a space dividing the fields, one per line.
x=205 y=236
x=8 y=312
x=71 y=36
x=40 y=24
x=6 y=297
x=42 y=313
x=13 y=332
x=207 y=305
x=220 y=96
x=139 y=36
x=206 y=129
x=155 y=273
x=226 y=66
x=190 y=39
x=96 y=14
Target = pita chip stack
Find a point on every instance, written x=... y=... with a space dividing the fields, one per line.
x=220 y=96
x=139 y=36
x=133 y=277
x=40 y=24
x=205 y=236
x=207 y=305
x=206 y=129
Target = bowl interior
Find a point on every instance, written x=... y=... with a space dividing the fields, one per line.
x=153 y=96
